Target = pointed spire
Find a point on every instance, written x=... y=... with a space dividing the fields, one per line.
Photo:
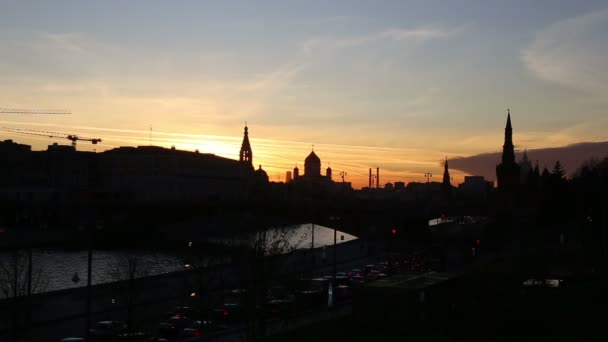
x=446 y=186
x=508 y=150
x=246 y=156
x=446 y=173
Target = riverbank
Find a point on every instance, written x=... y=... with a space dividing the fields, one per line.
x=62 y=312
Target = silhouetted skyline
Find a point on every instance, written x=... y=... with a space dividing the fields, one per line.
x=401 y=84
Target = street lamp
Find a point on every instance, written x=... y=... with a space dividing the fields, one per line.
x=428 y=175
x=187 y=267
x=335 y=219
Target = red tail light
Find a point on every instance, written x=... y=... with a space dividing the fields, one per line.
x=197 y=333
x=172 y=327
x=226 y=313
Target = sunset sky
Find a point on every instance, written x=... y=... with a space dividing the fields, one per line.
x=398 y=85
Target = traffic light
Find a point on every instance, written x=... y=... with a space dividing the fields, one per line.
x=394 y=231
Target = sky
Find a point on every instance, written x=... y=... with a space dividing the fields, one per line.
x=399 y=85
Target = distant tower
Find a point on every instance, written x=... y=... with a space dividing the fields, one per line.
x=288 y=177
x=370 y=177
x=446 y=186
x=328 y=172
x=246 y=156
x=525 y=167
x=296 y=172
x=507 y=172
x=377 y=177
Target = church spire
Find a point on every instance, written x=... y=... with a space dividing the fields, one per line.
x=446 y=186
x=246 y=156
x=508 y=172
x=508 y=150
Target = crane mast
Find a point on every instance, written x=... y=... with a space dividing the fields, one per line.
x=72 y=137
x=32 y=111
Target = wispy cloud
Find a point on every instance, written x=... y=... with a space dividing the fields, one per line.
x=418 y=34
x=572 y=52
x=396 y=34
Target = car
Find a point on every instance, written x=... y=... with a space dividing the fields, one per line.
x=191 y=334
x=171 y=329
x=280 y=307
x=133 y=337
x=369 y=268
x=357 y=280
x=355 y=272
x=342 y=280
x=342 y=293
x=107 y=330
x=183 y=311
x=198 y=329
x=227 y=314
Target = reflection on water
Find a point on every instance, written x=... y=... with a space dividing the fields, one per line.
x=58 y=267
x=323 y=236
x=292 y=237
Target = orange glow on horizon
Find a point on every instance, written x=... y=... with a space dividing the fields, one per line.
x=276 y=156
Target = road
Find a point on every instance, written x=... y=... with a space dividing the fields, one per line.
x=61 y=313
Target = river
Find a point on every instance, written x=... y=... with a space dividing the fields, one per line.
x=56 y=269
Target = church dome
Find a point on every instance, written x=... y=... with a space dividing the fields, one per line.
x=312 y=165
x=312 y=158
x=261 y=174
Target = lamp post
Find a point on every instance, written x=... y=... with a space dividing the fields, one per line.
x=428 y=175
x=187 y=267
x=87 y=325
x=334 y=219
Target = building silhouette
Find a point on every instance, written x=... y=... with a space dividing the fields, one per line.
x=525 y=168
x=313 y=180
x=135 y=174
x=508 y=171
x=296 y=172
x=288 y=178
x=446 y=186
x=474 y=187
x=246 y=155
x=312 y=170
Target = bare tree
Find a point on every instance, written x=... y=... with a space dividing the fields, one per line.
x=14 y=276
x=261 y=257
x=201 y=276
x=19 y=279
x=128 y=267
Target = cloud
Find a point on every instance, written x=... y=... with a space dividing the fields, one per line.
x=572 y=52
x=396 y=34
x=418 y=34
x=571 y=157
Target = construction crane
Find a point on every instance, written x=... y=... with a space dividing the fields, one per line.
x=72 y=137
x=32 y=111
